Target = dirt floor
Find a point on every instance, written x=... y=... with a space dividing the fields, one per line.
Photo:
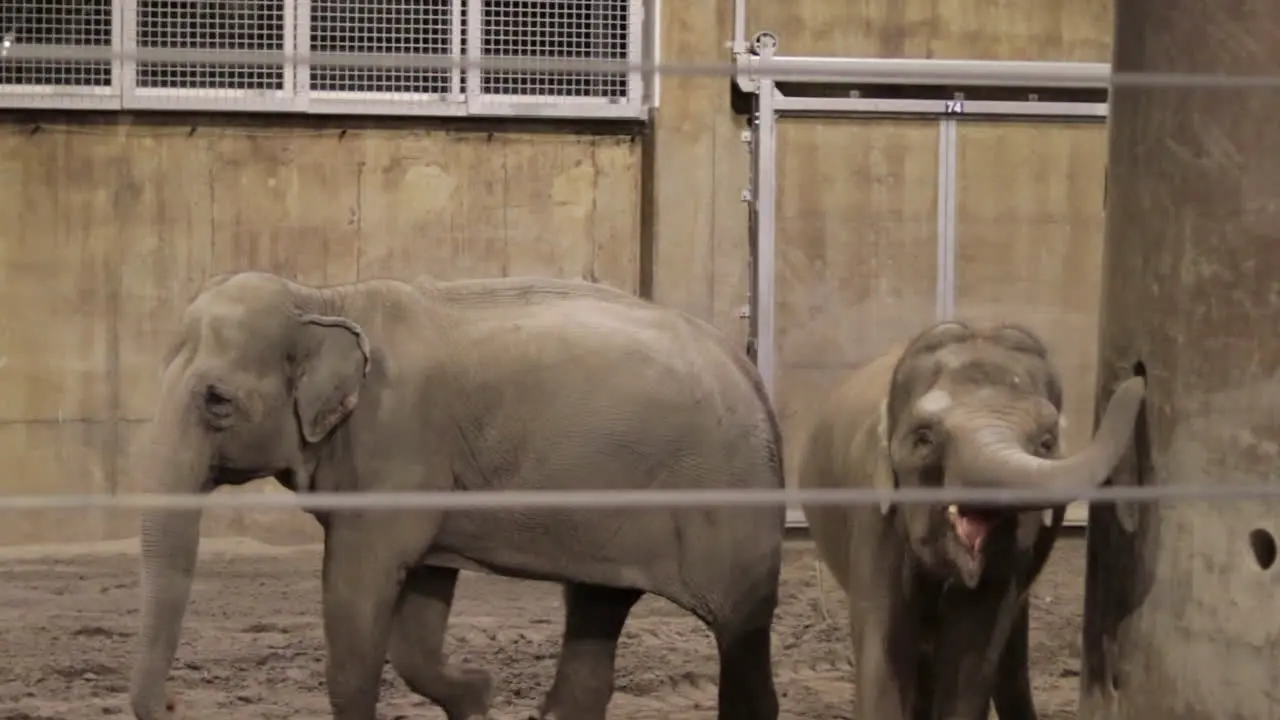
x=252 y=644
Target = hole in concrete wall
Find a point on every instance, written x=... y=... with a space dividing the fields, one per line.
x=1263 y=545
x=1140 y=369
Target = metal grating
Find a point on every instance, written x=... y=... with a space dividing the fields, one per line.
x=55 y=24
x=196 y=25
x=325 y=56
x=412 y=28
x=533 y=30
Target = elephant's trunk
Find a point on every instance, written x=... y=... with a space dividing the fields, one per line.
x=170 y=539
x=992 y=458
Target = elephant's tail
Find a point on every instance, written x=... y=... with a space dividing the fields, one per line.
x=752 y=374
x=775 y=429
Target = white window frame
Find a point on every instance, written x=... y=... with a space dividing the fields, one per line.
x=452 y=104
x=69 y=97
x=205 y=100
x=465 y=98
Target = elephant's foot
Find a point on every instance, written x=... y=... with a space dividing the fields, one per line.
x=464 y=693
x=172 y=710
x=587 y=703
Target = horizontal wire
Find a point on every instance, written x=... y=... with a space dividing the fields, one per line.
x=782 y=69
x=634 y=499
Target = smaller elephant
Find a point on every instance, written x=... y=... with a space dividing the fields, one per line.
x=938 y=596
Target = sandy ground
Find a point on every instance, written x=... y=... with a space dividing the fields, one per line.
x=252 y=644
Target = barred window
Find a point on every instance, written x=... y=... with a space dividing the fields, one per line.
x=413 y=28
x=521 y=30
x=194 y=25
x=385 y=57
x=580 y=30
x=54 y=23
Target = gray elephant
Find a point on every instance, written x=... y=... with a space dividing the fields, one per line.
x=520 y=384
x=938 y=596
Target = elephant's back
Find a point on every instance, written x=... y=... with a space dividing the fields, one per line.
x=487 y=293
x=617 y=386
x=616 y=319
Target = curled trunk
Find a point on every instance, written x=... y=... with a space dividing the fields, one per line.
x=995 y=459
x=177 y=462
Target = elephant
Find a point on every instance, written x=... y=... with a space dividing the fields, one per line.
x=512 y=383
x=937 y=597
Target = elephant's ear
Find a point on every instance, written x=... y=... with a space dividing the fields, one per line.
x=333 y=361
x=882 y=476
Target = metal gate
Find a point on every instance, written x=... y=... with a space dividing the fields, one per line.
x=1014 y=101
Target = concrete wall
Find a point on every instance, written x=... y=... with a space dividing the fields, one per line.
x=108 y=227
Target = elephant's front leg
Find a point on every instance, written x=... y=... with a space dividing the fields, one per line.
x=886 y=668
x=885 y=613
x=365 y=558
x=593 y=621
x=417 y=646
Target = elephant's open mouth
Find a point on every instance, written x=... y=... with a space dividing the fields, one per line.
x=973 y=525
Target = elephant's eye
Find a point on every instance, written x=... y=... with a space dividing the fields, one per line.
x=922 y=438
x=1048 y=444
x=217 y=402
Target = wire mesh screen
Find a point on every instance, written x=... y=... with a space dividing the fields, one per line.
x=56 y=24
x=197 y=25
x=324 y=56
x=536 y=30
x=384 y=27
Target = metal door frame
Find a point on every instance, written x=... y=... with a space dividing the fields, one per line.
x=760 y=68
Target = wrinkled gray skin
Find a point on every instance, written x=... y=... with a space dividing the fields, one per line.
x=937 y=598
x=486 y=384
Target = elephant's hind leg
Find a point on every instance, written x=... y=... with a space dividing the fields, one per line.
x=594 y=616
x=744 y=644
x=417 y=646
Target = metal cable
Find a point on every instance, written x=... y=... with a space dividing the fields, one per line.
x=635 y=499
x=779 y=69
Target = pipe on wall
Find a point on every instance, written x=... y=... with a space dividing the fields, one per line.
x=739 y=26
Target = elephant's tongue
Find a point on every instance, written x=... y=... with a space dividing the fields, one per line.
x=972 y=529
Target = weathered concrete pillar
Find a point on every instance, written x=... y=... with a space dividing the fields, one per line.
x=1182 y=608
